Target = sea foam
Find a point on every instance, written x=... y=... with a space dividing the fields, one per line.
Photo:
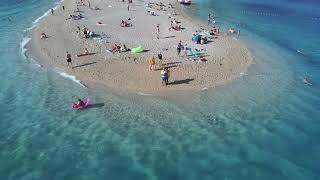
x=36 y=22
x=143 y=94
x=23 y=44
x=69 y=76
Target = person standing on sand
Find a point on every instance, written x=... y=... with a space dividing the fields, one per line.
x=160 y=59
x=152 y=63
x=52 y=11
x=185 y=50
x=89 y=4
x=62 y=7
x=158 y=31
x=69 y=61
x=165 y=76
x=128 y=7
x=209 y=18
x=179 y=48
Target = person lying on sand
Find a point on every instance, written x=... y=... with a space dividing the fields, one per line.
x=115 y=48
x=81 y=3
x=175 y=27
x=151 y=13
x=124 y=48
x=125 y=23
x=43 y=36
x=77 y=11
x=75 y=17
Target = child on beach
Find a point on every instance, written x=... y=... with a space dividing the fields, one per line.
x=164 y=76
x=152 y=63
x=69 y=61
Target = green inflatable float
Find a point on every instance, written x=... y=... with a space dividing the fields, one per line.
x=137 y=50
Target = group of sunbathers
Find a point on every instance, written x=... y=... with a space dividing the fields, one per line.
x=126 y=23
x=175 y=25
x=75 y=17
x=214 y=31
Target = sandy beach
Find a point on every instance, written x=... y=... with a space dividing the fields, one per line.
x=227 y=58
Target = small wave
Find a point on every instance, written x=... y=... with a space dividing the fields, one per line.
x=36 y=22
x=35 y=62
x=71 y=77
x=143 y=94
x=23 y=44
x=243 y=74
x=260 y=13
x=24 y=50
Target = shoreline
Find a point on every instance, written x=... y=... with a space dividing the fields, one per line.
x=39 y=50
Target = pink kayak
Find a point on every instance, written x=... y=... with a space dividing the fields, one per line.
x=86 y=104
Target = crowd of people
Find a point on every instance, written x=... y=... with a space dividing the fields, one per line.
x=175 y=25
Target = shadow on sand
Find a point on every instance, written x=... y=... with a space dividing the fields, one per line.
x=86 y=64
x=184 y=81
x=88 y=54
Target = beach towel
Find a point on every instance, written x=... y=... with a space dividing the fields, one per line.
x=193 y=54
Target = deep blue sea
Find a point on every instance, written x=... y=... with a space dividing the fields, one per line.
x=263 y=126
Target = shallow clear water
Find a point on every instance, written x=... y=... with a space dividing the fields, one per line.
x=263 y=126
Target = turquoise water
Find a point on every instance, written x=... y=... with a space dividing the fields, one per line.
x=263 y=126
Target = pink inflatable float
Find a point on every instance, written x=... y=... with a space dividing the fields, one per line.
x=77 y=106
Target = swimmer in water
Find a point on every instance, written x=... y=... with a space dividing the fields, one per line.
x=299 y=51
x=306 y=82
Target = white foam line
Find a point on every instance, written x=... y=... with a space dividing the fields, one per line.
x=243 y=74
x=36 y=22
x=71 y=77
x=35 y=62
x=143 y=94
x=23 y=44
x=27 y=39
